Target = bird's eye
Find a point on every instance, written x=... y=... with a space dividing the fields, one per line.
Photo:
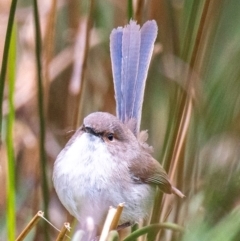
x=110 y=136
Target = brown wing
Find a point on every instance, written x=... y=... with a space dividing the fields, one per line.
x=147 y=170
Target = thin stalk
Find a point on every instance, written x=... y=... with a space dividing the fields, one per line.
x=199 y=33
x=186 y=100
x=130 y=9
x=183 y=128
x=154 y=228
x=113 y=236
x=139 y=10
x=48 y=44
x=30 y=226
x=190 y=30
x=5 y=59
x=11 y=209
x=43 y=163
x=84 y=65
x=66 y=228
x=185 y=106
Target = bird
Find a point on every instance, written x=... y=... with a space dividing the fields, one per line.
x=108 y=161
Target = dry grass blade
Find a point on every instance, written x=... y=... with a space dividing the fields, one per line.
x=30 y=226
x=186 y=105
x=139 y=10
x=76 y=111
x=61 y=236
x=108 y=222
x=112 y=220
x=48 y=51
x=185 y=109
x=184 y=124
x=116 y=217
x=187 y=98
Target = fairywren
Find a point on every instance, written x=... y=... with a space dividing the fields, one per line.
x=107 y=161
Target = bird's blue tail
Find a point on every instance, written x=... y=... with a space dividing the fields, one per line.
x=131 y=50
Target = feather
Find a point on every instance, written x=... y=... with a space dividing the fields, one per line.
x=116 y=60
x=131 y=49
x=130 y=58
x=148 y=36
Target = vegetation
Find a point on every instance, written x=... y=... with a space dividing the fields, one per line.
x=56 y=69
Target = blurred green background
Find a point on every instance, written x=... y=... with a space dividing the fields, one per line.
x=191 y=106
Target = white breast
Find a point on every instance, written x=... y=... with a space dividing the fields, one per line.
x=88 y=181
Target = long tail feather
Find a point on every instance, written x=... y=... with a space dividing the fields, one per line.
x=130 y=61
x=116 y=58
x=148 y=36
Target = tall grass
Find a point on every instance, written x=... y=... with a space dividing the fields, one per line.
x=191 y=108
x=11 y=189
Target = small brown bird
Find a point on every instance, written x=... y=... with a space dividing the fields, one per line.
x=108 y=161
